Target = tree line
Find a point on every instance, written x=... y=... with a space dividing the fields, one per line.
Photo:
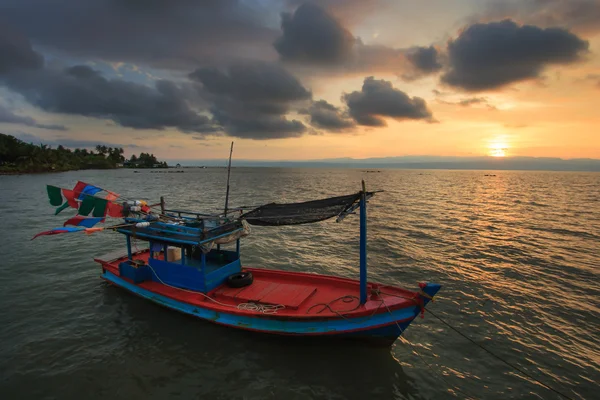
x=17 y=156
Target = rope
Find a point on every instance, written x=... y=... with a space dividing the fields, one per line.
x=345 y=299
x=256 y=307
x=437 y=374
x=500 y=358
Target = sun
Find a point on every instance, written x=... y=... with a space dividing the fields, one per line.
x=498 y=152
x=498 y=148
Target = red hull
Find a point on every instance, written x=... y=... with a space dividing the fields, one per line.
x=304 y=296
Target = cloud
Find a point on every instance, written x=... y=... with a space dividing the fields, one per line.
x=492 y=55
x=378 y=98
x=327 y=116
x=348 y=11
x=164 y=34
x=593 y=78
x=581 y=16
x=81 y=90
x=471 y=102
x=251 y=100
x=8 y=117
x=16 y=52
x=70 y=143
x=312 y=35
x=425 y=59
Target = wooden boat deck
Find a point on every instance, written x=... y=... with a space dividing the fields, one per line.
x=303 y=295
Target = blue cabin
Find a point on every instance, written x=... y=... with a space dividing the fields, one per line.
x=184 y=255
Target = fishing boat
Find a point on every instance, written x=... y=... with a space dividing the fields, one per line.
x=191 y=262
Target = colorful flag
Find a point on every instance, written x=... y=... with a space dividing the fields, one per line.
x=115 y=210
x=94 y=205
x=59 y=209
x=58 y=231
x=87 y=205
x=111 y=196
x=54 y=195
x=100 y=207
x=83 y=221
x=70 y=196
x=82 y=189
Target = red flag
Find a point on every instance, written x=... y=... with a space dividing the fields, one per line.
x=88 y=222
x=57 y=231
x=115 y=210
x=79 y=188
x=111 y=196
x=70 y=196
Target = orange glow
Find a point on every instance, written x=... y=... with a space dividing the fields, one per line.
x=501 y=152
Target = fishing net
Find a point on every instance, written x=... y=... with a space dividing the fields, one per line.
x=274 y=214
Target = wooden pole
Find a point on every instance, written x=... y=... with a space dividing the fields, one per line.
x=228 y=174
x=363 y=245
x=162 y=205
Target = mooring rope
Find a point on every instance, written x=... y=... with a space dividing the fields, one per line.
x=499 y=358
x=437 y=374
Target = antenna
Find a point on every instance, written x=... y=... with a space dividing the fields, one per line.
x=228 y=174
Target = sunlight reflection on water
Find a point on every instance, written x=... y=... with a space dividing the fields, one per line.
x=516 y=254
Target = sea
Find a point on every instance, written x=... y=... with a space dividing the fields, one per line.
x=517 y=255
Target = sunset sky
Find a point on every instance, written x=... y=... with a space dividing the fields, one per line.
x=297 y=80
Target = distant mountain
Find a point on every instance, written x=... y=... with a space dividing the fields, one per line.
x=421 y=162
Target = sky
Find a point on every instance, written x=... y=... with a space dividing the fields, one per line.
x=304 y=80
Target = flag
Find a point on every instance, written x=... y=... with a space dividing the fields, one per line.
x=70 y=196
x=94 y=205
x=100 y=207
x=78 y=220
x=54 y=195
x=111 y=196
x=115 y=210
x=59 y=209
x=87 y=205
x=57 y=231
x=82 y=189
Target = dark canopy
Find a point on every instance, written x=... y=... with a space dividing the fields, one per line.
x=274 y=214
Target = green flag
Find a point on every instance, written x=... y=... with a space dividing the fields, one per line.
x=59 y=209
x=87 y=205
x=99 y=207
x=55 y=196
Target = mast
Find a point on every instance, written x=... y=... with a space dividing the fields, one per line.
x=228 y=174
x=363 y=244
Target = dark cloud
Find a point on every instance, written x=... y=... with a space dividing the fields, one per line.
x=327 y=116
x=581 y=16
x=492 y=55
x=425 y=59
x=81 y=90
x=312 y=35
x=8 y=117
x=348 y=11
x=161 y=33
x=378 y=98
x=16 y=52
x=251 y=100
x=471 y=102
x=70 y=143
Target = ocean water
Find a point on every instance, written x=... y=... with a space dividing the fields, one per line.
x=518 y=255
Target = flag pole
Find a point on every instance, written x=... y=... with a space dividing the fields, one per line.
x=228 y=175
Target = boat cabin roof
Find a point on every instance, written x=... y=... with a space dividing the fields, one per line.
x=179 y=235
